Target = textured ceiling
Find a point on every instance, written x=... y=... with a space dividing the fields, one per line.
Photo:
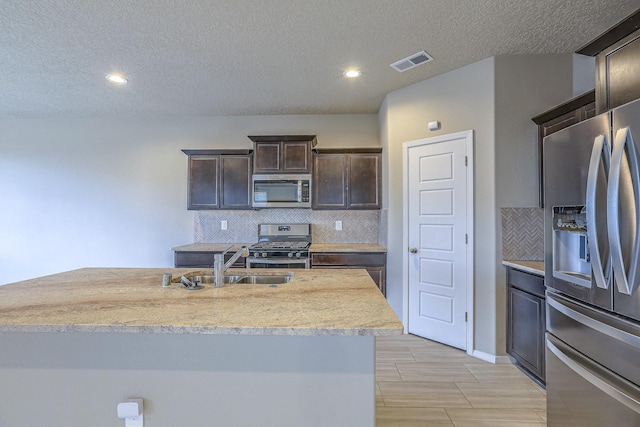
x=239 y=57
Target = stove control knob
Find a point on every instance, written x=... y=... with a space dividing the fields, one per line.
x=264 y=254
x=290 y=254
x=298 y=255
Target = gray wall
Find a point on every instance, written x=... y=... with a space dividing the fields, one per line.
x=77 y=379
x=495 y=97
x=526 y=85
x=112 y=193
x=461 y=100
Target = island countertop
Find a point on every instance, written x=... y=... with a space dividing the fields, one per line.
x=314 y=302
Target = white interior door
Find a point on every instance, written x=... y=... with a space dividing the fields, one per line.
x=438 y=237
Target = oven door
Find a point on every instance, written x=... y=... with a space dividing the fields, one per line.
x=279 y=263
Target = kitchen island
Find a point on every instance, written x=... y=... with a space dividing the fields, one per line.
x=76 y=344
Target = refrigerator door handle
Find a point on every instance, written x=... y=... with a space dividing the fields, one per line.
x=600 y=147
x=626 y=283
x=627 y=398
x=592 y=323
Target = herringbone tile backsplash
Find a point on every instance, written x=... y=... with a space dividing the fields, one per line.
x=242 y=226
x=522 y=234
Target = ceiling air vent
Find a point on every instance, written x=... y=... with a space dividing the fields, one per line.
x=412 y=61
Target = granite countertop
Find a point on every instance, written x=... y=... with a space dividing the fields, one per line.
x=534 y=267
x=314 y=302
x=315 y=247
x=208 y=247
x=347 y=247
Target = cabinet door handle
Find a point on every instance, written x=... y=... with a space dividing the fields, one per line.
x=413 y=250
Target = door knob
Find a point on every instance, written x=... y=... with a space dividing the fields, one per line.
x=413 y=250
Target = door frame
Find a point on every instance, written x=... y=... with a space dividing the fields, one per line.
x=468 y=137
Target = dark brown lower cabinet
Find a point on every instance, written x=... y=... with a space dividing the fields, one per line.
x=526 y=321
x=191 y=259
x=374 y=262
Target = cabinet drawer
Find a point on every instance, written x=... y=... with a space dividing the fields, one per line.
x=203 y=260
x=347 y=259
x=527 y=282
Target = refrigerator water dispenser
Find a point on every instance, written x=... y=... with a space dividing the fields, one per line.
x=571 y=261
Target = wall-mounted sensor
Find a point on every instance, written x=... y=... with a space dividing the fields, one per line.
x=434 y=125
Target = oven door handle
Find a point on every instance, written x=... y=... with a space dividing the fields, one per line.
x=278 y=261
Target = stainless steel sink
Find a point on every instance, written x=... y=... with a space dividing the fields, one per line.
x=263 y=280
x=253 y=279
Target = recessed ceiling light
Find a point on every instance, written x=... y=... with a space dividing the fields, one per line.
x=116 y=78
x=352 y=73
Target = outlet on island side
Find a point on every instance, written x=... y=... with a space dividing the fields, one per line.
x=339 y=225
x=223 y=224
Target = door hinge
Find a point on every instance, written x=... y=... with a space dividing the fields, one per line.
x=465 y=316
x=466 y=239
x=466 y=161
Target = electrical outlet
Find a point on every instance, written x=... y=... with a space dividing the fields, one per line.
x=339 y=225
x=223 y=224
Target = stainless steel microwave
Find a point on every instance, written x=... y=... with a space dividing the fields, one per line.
x=282 y=191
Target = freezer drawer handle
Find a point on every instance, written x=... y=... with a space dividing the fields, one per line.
x=627 y=284
x=601 y=274
x=596 y=381
x=603 y=328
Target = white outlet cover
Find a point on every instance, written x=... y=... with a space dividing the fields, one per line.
x=339 y=225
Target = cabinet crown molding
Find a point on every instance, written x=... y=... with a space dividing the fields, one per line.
x=280 y=138
x=355 y=150
x=213 y=152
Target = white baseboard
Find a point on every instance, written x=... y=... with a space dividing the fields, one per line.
x=490 y=357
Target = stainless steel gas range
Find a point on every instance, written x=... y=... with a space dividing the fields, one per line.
x=281 y=246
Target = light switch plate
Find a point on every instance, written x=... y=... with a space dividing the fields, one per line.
x=223 y=224
x=339 y=225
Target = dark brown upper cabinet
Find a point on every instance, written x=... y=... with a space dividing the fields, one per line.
x=219 y=179
x=283 y=154
x=617 y=53
x=348 y=178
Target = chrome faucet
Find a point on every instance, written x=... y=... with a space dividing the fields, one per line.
x=219 y=266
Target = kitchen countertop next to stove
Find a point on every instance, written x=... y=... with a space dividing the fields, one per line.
x=208 y=247
x=315 y=247
x=347 y=247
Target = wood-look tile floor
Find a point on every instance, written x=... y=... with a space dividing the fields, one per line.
x=424 y=383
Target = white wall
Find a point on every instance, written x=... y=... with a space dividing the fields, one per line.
x=112 y=193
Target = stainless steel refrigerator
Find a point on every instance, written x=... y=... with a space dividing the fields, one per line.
x=592 y=270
